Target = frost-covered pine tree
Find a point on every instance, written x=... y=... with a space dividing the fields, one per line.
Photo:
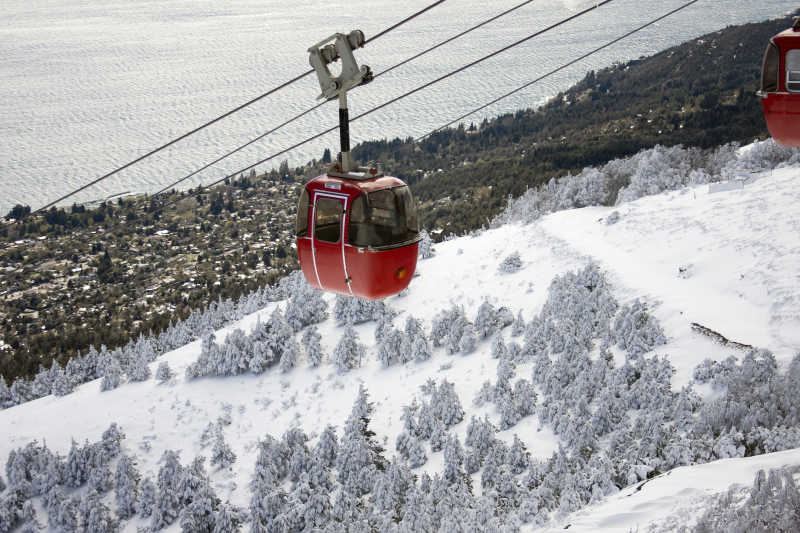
x=445 y=404
x=61 y=384
x=76 y=470
x=289 y=356
x=469 y=339
x=442 y=325
x=67 y=517
x=126 y=487
x=499 y=350
x=146 y=501
x=100 y=477
x=5 y=394
x=306 y=306
x=327 y=447
x=359 y=456
x=418 y=513
x=420 y=348
x=425 y=245
x=348 y=353
x=112 y=374
x=221 y=454
x=140 y=368
x=410 y=448
x=636 y=330
x=438 y=435
x=352 y=311
x=311 y=343
x=163 y=372
x=486 y=320
x=518 y=326
x=518 y=456
x=455 y=331
x=167 y=505
x=393 y=348
x=512 y=263
x=453 y=460
x=97 y=517
x=225 y=520
x=41 y=384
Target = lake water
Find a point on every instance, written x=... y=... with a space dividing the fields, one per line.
x=86 y=86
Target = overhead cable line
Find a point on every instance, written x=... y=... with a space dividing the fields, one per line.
x=562 y=67
x=224 y=115
x=409 y=93
x=302 y=114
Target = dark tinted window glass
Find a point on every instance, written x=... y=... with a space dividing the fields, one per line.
x=328 y=220
x=302 y=214
x=412 y=222
x=383 y=218
x=770 y=68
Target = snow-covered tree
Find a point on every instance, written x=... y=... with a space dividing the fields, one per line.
x=636 y=330
x=146 y=500
x=139 y=369
x=351 y=311
x=518 y=326
x=512 y=263
x=469 y=339
x=359 y=456
x=61 y=384
x=393 y=348
x=111 y=372
x=445 y=405
x=198 y=500
x=221 y=454
x=167 y=505
x=163 y=372
x=486 y=320
x=348 y=353
x=425 y=245
x=5 y=394
x=289 y=356
x=306 y=306
x=420 y=348
x=97 y=518
x=42 y=383
x=126 y=487
x=327 y=446
x=311 y=342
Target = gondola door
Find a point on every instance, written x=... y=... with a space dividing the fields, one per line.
x=328 y=229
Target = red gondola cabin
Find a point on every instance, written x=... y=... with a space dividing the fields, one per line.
x=358 y=235
x=780 y=86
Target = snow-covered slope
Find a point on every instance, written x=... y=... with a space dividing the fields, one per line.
x=674 y=499
x=727 y=258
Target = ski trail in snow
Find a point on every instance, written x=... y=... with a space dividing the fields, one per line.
x=686 y=250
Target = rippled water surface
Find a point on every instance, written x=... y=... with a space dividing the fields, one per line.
x=88 y=86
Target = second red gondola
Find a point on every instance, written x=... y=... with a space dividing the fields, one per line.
x=780 y=86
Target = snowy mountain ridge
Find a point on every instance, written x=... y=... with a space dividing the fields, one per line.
x=723 y=256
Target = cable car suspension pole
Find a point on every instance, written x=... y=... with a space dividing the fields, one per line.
x=340 y=46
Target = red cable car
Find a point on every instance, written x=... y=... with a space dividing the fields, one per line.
x=357 y=234
x=780 y=86
x=357 y=230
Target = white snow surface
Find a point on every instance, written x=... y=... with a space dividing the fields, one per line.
x=88 y=86
x=743 y=249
